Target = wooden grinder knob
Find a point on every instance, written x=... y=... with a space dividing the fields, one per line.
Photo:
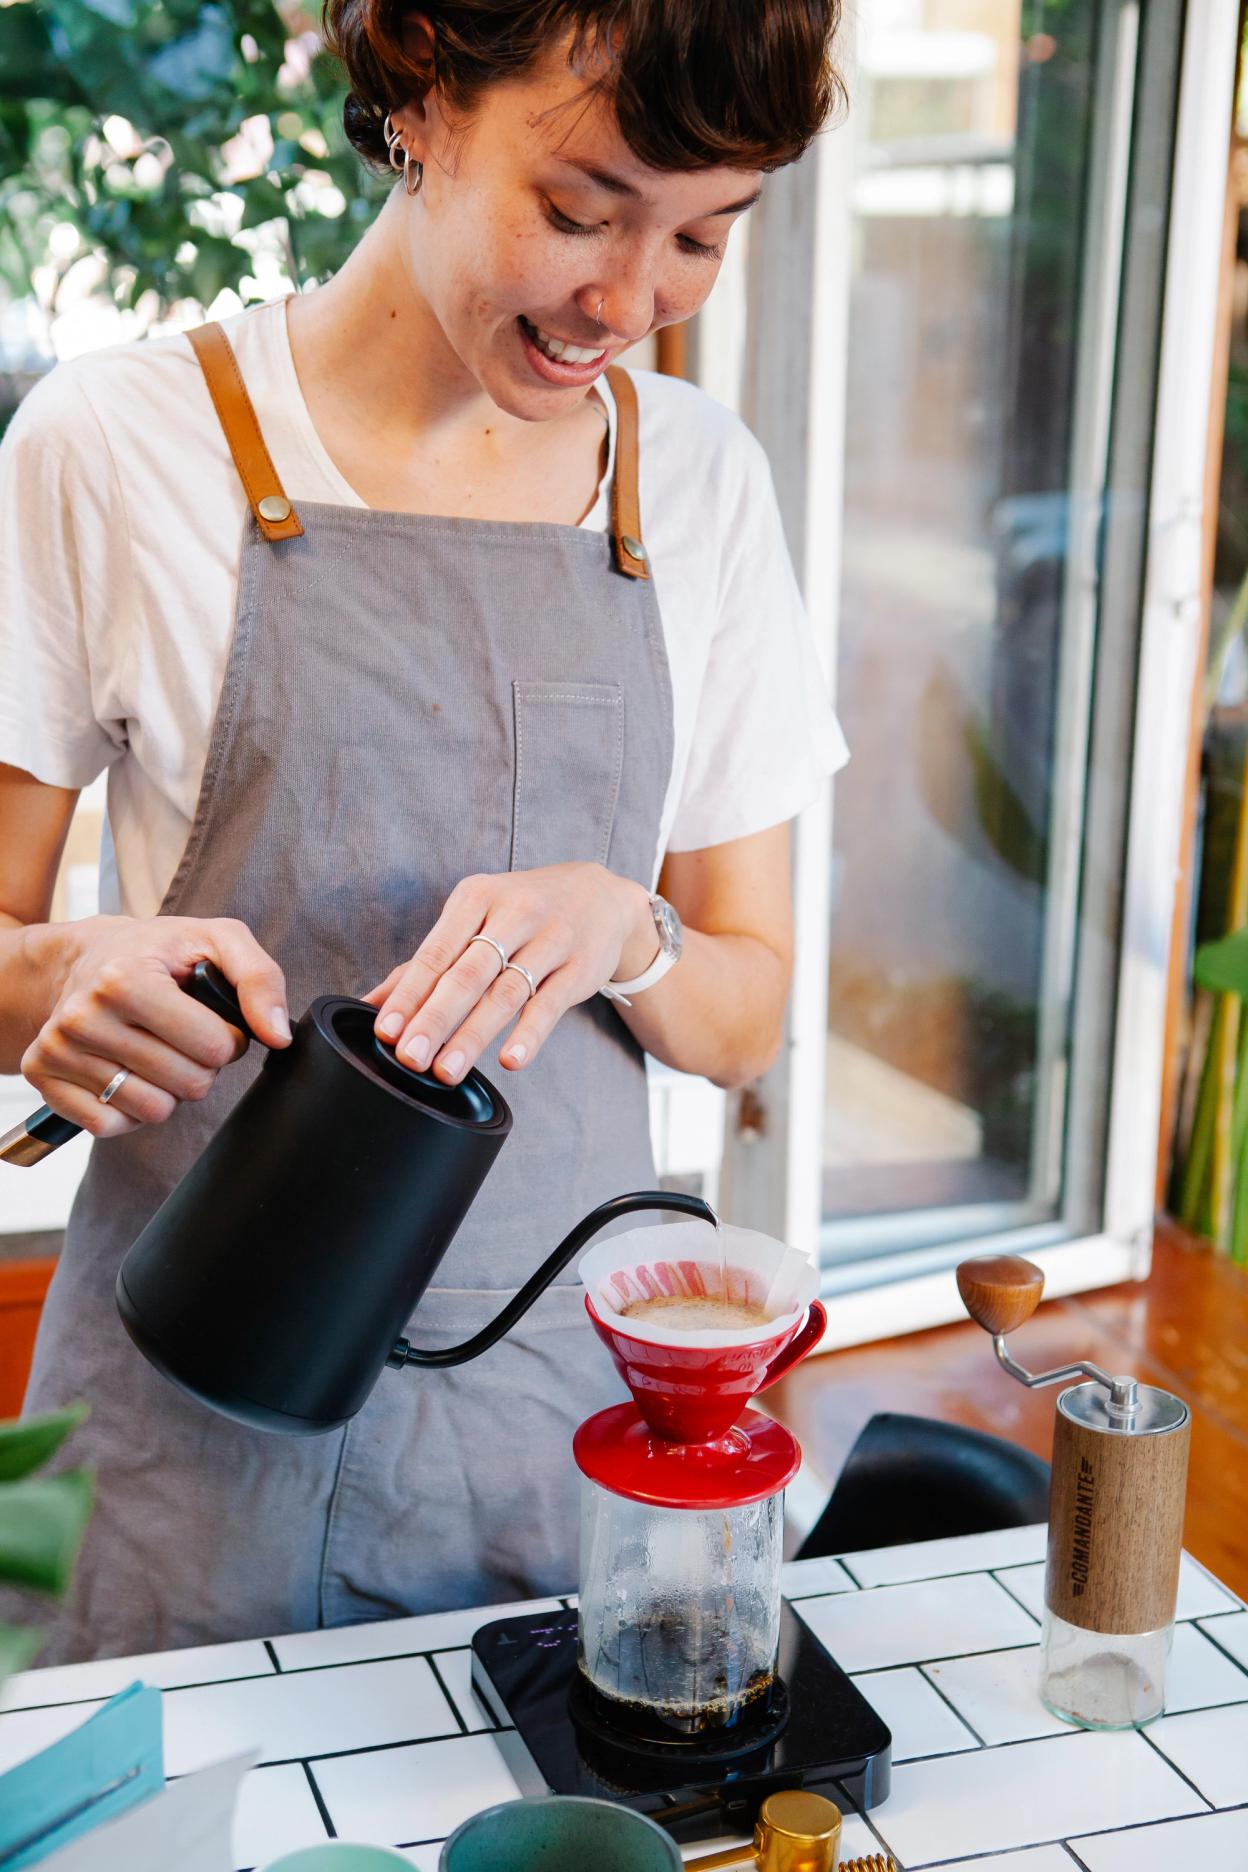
x=1000 y=1291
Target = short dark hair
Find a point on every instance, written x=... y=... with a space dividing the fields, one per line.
x=742 y=84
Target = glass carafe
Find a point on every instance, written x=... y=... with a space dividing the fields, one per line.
x=679 y=1616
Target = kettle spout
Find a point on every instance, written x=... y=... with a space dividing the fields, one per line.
x=406 y=1354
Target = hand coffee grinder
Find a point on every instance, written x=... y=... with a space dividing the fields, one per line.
x=1115 y=1518
x=683 y=1684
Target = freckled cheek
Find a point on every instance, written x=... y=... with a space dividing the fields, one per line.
x=513 y=271
x=682 y=295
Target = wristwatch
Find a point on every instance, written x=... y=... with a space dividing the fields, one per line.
x=671 y=934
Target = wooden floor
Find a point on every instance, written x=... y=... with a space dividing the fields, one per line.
x=1185 y=1328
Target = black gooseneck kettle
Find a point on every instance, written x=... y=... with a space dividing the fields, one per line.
x=274 y=1281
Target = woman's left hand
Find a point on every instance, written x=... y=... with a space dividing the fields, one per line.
x=568 y=925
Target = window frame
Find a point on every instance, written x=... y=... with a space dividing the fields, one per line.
x=1134 y=581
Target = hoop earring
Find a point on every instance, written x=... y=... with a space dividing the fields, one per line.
x=392 y=136
x=411 y=165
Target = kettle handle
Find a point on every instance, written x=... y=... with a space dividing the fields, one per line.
x=207 y=985
x=536 y=1285
x=45 y=1130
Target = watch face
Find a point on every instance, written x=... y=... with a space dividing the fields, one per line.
x=671 y=930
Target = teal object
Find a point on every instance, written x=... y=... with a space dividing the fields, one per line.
x=338 y=1856
x=559 y=1833
x=110 y=1763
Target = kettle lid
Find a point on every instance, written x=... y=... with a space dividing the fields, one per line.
x=347 y=1025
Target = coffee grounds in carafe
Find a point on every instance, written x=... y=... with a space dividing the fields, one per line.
x=654 y=1721
x=662 y=1654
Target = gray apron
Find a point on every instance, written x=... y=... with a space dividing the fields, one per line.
x=407 y=700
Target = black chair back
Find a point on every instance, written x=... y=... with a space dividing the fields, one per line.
x=916 y=1479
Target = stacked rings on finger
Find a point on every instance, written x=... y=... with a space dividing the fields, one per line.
x=521 y=970
x=114 y=1085
x=496 y=946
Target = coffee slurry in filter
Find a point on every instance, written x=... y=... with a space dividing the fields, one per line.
x=685 y=1283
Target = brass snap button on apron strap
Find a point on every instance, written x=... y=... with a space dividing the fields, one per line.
x=273 y=507
x=633 y=547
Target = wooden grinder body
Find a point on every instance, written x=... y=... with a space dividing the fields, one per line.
x=1116 y=1513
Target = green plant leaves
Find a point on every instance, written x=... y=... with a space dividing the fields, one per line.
x=184 y=76
x=18 y=1645
x=1223 y=965
x=42 y=1522
x=28 y=1442
x=42 y=1519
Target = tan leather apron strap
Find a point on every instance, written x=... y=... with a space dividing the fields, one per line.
x=630 y=553
x=275 y=516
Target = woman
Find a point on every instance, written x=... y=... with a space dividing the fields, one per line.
x=509 y=677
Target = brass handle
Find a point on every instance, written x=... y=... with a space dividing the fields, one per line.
x=1000 y=1291
x=794 y=1832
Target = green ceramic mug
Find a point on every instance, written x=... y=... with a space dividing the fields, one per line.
x=559 y=1833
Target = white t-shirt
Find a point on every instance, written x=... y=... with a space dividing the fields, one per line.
x=121 y=522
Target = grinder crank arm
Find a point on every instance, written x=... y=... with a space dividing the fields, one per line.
x=45 y=1130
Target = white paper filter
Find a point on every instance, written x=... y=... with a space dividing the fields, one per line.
x=684 y=1258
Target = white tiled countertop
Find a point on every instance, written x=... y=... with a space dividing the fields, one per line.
x=372 y=1732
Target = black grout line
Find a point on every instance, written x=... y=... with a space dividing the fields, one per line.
x=103 y=1696
x=1069 y=1732
x=1162 y=1756
x=949 y=1657
x=989 y=1748
x=1219 y=1646
x=934 y=1579
x=965 y=1722
x=322 y=1809
x=1013 y=1595
x=1202 y=1709
x=210 y=1683
x=276 y=1661
x=1131 y=1826
x=455 y=1711
x=379 y=1748
x=1239 y=1605
x=850 y=1808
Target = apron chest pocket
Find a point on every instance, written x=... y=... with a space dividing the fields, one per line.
x=569 y=757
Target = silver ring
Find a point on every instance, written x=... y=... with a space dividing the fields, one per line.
x=114 y=1085
x=521 y=970
x=598 y=313
x=503 y=957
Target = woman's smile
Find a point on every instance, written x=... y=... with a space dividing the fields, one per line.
x=558 y=360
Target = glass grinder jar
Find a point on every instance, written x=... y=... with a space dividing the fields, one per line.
x=1115 y=1518
x=681 y=1550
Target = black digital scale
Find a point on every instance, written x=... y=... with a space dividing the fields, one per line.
x=820 y=1734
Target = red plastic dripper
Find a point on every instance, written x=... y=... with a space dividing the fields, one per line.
x=693 y=1394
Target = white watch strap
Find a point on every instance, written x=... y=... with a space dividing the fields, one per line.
x=620 y=991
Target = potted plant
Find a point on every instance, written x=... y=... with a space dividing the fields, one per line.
x=42 y=1519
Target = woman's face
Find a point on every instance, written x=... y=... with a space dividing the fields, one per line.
x=535 y=221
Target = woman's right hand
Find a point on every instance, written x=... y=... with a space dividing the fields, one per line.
x=120 y=1006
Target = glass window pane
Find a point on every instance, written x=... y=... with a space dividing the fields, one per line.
x=949 y=967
